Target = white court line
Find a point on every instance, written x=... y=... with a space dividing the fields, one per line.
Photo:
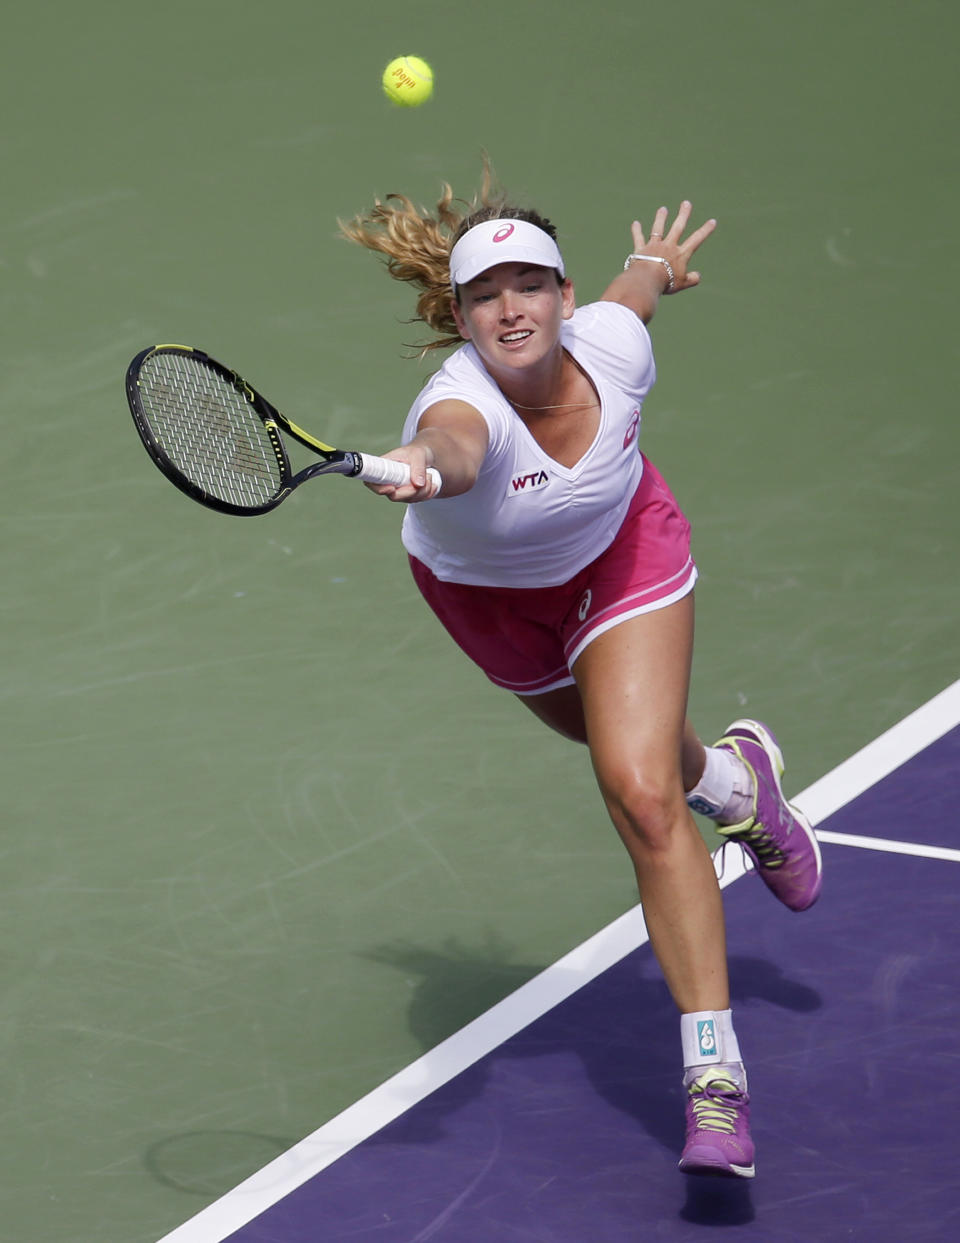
x=546 y=990
x=878 y=758
x=894 y=848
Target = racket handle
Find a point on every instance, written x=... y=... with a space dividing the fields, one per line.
x=386 y=470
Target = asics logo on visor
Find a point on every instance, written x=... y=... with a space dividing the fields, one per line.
x=502 y=234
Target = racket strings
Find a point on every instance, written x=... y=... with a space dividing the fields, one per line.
x=209 y=430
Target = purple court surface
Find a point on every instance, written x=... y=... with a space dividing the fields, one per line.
x=568 y=1129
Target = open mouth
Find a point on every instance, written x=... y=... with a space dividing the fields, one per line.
x=512 y=338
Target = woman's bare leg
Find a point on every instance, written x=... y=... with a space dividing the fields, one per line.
x=633 y=683
x=562 y=710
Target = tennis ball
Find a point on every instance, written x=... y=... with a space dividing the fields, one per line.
x=408 y=81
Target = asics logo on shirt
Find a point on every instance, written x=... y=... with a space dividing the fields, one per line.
x=529 y=482
x=631 y=433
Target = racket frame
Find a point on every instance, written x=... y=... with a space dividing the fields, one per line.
x=333 y=461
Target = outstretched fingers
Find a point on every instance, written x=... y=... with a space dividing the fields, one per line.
x=674 y=248
x=680 y=222
x=698 y=236
x=659 y=225
x=662 y=237
x=688 y=248
x=657 y=230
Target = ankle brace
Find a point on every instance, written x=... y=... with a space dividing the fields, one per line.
x=725 y=791
x=709 y=1039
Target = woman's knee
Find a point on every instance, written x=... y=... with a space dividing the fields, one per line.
x=647 y=808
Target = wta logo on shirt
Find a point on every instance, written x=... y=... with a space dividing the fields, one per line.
x=531 y=481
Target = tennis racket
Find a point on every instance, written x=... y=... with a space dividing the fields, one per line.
x=215 y=437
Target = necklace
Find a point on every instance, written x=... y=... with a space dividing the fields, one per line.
x=561 y=405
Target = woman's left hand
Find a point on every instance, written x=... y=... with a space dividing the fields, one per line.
x=669 y=243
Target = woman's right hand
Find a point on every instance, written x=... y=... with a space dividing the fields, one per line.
x=424 y=478
x=452 y=438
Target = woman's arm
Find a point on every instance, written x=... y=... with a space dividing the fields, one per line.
x=452 y=438
x=662 y=263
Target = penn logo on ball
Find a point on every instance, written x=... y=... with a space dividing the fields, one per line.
x=408 y=81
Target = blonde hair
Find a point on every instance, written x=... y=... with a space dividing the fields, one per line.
x=417 y=245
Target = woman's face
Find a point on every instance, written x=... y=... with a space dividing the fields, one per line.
x=512 y=313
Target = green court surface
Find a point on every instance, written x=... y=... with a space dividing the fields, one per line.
x=267 y=835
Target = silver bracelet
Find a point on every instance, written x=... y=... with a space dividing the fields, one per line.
x=671 y=283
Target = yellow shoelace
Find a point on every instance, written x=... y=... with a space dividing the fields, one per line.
x=712 y=1108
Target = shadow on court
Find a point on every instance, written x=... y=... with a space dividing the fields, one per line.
x=623 y=1052
x=546 y=1136
x=208 y=1163
x=629 y=1049
x=718 y=1202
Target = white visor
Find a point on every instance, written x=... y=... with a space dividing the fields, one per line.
x=502 y=241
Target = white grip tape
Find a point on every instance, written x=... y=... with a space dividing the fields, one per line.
x=386 y=470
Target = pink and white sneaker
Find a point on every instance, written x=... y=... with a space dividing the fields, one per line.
x=718 y=1126
x=777 y=836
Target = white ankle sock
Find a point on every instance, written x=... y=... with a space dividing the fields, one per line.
x=725 y=791
x=709 y=1040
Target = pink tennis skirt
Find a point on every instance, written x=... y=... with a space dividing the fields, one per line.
x=527 y=639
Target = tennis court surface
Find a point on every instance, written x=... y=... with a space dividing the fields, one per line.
x=557 y=1116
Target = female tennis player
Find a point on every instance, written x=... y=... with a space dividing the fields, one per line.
x=557 y=558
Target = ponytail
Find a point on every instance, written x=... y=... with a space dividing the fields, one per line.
x=417 y=245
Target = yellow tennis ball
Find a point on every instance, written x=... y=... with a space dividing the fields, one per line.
x=408 y=81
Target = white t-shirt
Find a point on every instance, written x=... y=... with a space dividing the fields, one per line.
x=528 y=521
